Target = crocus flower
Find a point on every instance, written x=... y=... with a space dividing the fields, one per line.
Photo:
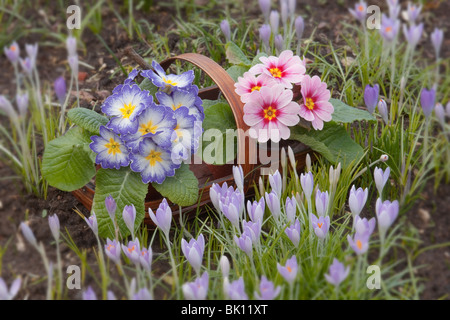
x=163 y=217
x=71 y=46
x=216 y=192
x=270 y=112
x=371 y=97
x=357 y=200
x=113 y=250
x=436 y=39
x=276 y=182
x=382 y=109
x=238 y=175
x=142 y=294
x=27 y=66
x=293 y=232
x=253 y=229
x=315 y=106
x=162 y=80
x=111 y=206
x=89 y=294
x=364 y=227
x=381 y=177
x=289 y=271
x=186 y=97
x=291 y=208
x=60 y=89
x=9 y=294
x=193 y=251
x=394 y=8
x=413 y=34
x=264 y=5
x=440 y=114
x=32 y=51
x=249 y=83
x=291 y=6
x=267 y=290
x=73 y=63
x=299 y=25
x=225 y=27
x=7 y=107
x=359 y=243
x=427 y=101
x=22 y=103
x=279 y=44
x=111 y=150
x=360 y=11
x=284 y=69
x=274 y=20
x=53 y=222
x=129 y=217
x=224 y=264
x=256 y=209
x=13 y=53
x=273 y=202
x=413 y=12
x=92 y=223
x=132 y=251
x=146 y=258
x=111 y=296
x=387 y=212
x=447 y=109
x=264 y=34
x=389 y=28
x=337 y=273
x=197 y=289
x=322 y=200
x=320 y=225
x=231 y=206
x=307 y=183
x=284 y=10
x=236 y=290
x=245 y=243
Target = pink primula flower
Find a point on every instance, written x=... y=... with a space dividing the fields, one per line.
x=247 y=84
x=269 y=113
x=285 y=69
x=315 y=106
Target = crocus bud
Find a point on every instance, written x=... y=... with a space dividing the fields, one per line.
x=27 y=65
x=13 y=52
x=53 y=222
x=284 y=9
x=71 y=45
x=275 y=181
x=193 y=251
x=129 y=217
x=371 y=97
x=382 y=109
x=386 y=212
x=308 y=162
x=413 y=34
x=225 y=27
x=291 y=6
x=279 y=42
x=381 y=178
x=265 y=8
x=22 y=103
x=299 y=27
x=32 y=51
x=427 y=101
x=73 y=63
x=307 y=182
x=293 y=232
x=60 y=89
x=245 y=243
x=440 y=114
x=238 y=175
x=322 y=199
x=92 y=223
x=436 y=39
x=274 y=21
x=264 y=34
x=7 y=107
x=291 y=157
x=291 y=209
x=111 y=206
x=28 y=234
x=224 y=264
x=384 y=158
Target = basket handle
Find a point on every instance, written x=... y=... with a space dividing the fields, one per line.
x=226 y=85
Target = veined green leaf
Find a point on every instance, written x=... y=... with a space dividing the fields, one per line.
x=235 y=55
x=343 y=113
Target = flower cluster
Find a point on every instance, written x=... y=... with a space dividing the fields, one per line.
x=267 y=93
x=152 y=135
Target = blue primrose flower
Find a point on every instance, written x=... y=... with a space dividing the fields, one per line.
x=124 y=106
x=153 y=162
x=187 y=97
x=110 y=148
x=162 y=80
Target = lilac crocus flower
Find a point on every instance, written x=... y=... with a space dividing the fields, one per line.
x=274 y=20
x=9 y=294
x=357 y=200
x=245 y=243
x=264 y=34
x=198 y=289
x=92 y=223
x=224 y=265
x=299 y=25
x=293 y=232
x=163 y=217
x=322 y=200
x=289 y=271
x=381 y=177
x=427 y=101
x=193 y=251
x=73 y=63
x=71 y=46
x=359 y=243
x=225 y=27
x=394 y=8
x=307 y=182
x=256 y=209
x=132 y=251
x=22 y=103
x=383 y=110
x=53 y=222
x=320 y=225
x=110 y=296
x=291 y=6
x=146 y=258
x=279 y=45
x=238 y=175
x=216 y=192
x=264 y=5
x=231 y=206
x=440 y=114
x=111 y=207
x=142 y=294
x=413 y=34
x=284 y=10
x=32 y=51
x=273 y=202
x=364 y=227
x=236 y=290
x=436 y=39
x=387 y=212
x=267 y=290
x=276 y=183
x=89 y=294
x=360 y=11
x=113 y=250
x=253 y=229
x=389 y=28
x=371 y=97
x=413 y=12
x=291 y=209
x=13 y=53
x=129 y=217
x=337 y=273
x=60 y=89
x=7 y=107
x=27 y=65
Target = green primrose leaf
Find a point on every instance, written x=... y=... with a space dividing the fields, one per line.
x=148 y=85
x=87 y=119
x=67 y=162
x=256 y=60
x=343 y=113
x=181 y=189
x=235 y=55
x=236 y=71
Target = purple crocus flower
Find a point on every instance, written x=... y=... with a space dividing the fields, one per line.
x=381 y=177
x=129 y=217
x=413 y=12
x=364 y=227
x=256 y=209
x=359 y=243
x=337 y=273
x=224 y=265
x=291 y=6
x=440 y=114
x=92 y=223
x=383 y=110
x=111 y=206
x=146 y=258
x=307 y=182
x=7 y=107
x=32 y=51
x=264 y=34
x=132 y=251
x=427 y=101
x=276 y=183
x=322 y=200
x=89 y=294
x=253 y=229
x=198 y=289
x=320 y=225
x=71 y=46
x=238 y=176
x=163 y=217
x=387 y=212
x=291 y=209
x=245 y=243
x=284 y=10
x=273 y=202
x=357 y=200
x=216 y=192
x=110 y=296
x=360 y=11
x=371 y=97
x=267 y=290
x=436 y=39
x=142 y=294
x=389 y=28
x=394 y=8
x=279 y=45
x=299 y=25
x=22 y=103
x=60 y=89
x=27 y=65
x=236 y=290
x=413 y=34
x=225 y=27
x=264 y=5
x=53 y=222
x=9 y=294
x=274 y=20
x=193 y=251
x=13 y=53
x=289 y=271
x=293 y=232
x=113 y=250
x=73 y=63
x=232 y=206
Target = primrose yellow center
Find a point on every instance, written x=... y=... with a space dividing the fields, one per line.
x=127 y=110
x=256 y=88
x=113 y=147
x=148 y=128
x=276 y=73
x=270 y=113
x=359 y=244
x=175 y=107
x=154 y=157
x=168 y=81
x=309 y=103
x=320 y=225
